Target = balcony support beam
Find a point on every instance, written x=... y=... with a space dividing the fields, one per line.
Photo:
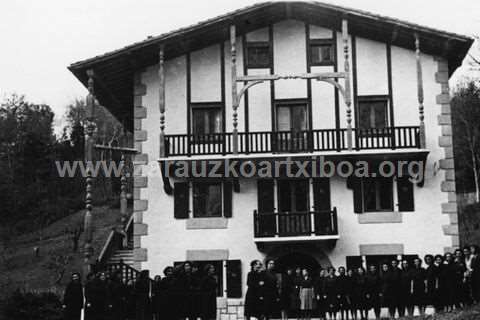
x=235 y=98
x=421 y=115
x=346 y=94
x=161 y=99
x=89 y=130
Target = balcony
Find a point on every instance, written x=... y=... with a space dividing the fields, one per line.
x=295 y=226
x=404 y=137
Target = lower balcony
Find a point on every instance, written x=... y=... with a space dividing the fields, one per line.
x=305 y=141
x=295 y=226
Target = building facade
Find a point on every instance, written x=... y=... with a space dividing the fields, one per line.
x=314 y=82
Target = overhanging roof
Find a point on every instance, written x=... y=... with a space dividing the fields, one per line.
x=114 y=70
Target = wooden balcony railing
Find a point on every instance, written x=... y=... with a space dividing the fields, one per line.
x=292 y=224
x=292 y=141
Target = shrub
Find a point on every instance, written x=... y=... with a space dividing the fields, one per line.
x=33 y=306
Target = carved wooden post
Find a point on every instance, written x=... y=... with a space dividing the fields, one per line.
x=123 y=201
x=421 y=115
x=348 y=101
x=161 y=100
x=89 y=141
x=235 y=99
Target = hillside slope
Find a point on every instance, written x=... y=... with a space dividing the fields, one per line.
x=21 y=268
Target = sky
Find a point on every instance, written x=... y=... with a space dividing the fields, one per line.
x=39 y=39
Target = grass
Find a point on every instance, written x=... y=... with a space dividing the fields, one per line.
x=21 y=269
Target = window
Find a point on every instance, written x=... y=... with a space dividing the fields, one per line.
x=293 y=195
x=322 y=52
x=372 y=112
x=377 y=194
x=206 y=120
x=207 y=199
x=258 y=55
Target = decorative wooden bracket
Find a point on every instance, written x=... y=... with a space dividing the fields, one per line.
x=328 y=77
x=167 y=186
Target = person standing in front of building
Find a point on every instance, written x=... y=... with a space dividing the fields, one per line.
x=360 y=294
x=156 y=297
x=343 y=293
x=130 y=300
x=269 y=292
x=387 y=289
x=331 y=292
x=419 y=286
x=374 y=295
x=431 y=280
x=351 y=293
x=208 y=289
x=321 y=297
x=73 y=298
x=142 y=299
x=166 y=298
x=475 y=275
x=295 y=297
x=286 y=290
x=439 y=289
x=252 y=298
x=405 y=294
x=307 y=295
x=448 y=276
x=116 y=297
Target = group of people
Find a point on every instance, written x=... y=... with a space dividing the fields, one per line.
x=184 y=292
x=445 y=282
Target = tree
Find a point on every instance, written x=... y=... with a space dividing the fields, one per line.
x=466 y=125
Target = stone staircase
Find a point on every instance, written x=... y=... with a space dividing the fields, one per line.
x=123 y=255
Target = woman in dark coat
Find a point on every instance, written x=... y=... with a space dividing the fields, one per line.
x=252 y=300
x=320 y=296
x=430 y=274
x=387 y=289
x=286 y=290
x=156 y=297
x=448 y=279
x=405 y=291
x=419 y=285
x=268 y=292
x=166 y=298
x=208 y=288
x=130 y=300
x=475 y=275
x=360 y=301
x=116 y=298
x=73 y=299
x=373 y=290
x=439 y=292
x=96 y=297
x=330 y=290
x=351 y=293
x=459 y=276
x=295 y=296
x=142 y=299
x=344 y=288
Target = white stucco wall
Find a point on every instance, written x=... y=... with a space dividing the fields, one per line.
x=168 y=239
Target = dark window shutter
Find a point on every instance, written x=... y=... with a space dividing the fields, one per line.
x=405 y=194
x=234 y=279
x=357 y=195
x=265 y=196
x=227 y=199
x=181 y=200
x=321 y=194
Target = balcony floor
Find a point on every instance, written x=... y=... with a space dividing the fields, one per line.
x=296 y=239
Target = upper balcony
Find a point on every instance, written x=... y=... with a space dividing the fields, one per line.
x=284 y=142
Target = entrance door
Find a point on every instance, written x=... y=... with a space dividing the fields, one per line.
x=293 y=203
x=291 y=127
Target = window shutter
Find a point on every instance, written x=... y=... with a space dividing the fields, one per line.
x=234 y=279
x=321 y=194
x=227 y=199
x=405 y=194
x=181 y=200
x=357 y=195
x=265 y=196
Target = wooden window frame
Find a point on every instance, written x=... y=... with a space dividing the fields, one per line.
x=392 y=207
x=373 y=98
x=207 y=105
x=258 y=44
x=207 y=181
x=322 y=42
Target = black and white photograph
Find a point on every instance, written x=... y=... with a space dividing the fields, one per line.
x=239 y=160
